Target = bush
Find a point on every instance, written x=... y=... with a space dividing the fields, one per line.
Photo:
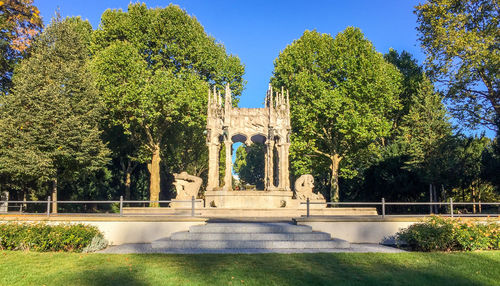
x=44 y=237
x=446 y=234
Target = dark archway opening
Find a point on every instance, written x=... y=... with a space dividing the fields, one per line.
x=249 y=164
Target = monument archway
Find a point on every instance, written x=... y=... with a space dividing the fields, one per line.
x=269 y=126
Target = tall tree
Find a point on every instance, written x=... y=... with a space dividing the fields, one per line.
x=468 y=166
x=412 y=78
x=462 y=40
x=342 y=93
x=49 y=122
x=20 y=22
x=153 y=68
x=413 y=156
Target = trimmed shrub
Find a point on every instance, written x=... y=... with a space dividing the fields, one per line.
x=446 y=234
x=45 y=237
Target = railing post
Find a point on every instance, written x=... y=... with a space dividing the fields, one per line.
x=383 y=208
x=451 y=207
x=121 y=205
x=48 y=206
x=307 y=207
x=192 y=205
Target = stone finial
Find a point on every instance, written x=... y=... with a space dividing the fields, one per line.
x=228 y=99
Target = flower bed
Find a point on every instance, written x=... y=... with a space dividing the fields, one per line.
x=447 y=234
x=44 y=237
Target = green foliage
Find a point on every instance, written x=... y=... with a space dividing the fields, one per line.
x=342 y=94
x=461 y=40
x=412 y=78
x=45 y=237
x=49 y=122
x=97 y=243
x=249 y=164
x=153 y=68
x=20 y=22
x=491 y=163
x=415 y=152
x=446 y=234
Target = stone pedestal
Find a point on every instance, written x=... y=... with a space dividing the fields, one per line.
x=182 y=204
x=249 y=199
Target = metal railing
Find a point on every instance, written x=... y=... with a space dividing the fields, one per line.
x=49 y=202
x=450 y=204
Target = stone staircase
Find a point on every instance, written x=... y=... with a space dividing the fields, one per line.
x=250 y=235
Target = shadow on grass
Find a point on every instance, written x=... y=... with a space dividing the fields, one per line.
x=270 y=269
x=342 y=269
x=107 y=275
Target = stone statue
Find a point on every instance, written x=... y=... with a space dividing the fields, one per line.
x=304 y=186
x=186 y=186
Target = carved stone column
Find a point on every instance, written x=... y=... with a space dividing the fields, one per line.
x=228 y=177
x=285 y=167
x=270 y=165
x=281 y=166
x=213 y=166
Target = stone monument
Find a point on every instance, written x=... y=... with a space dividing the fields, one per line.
x=269 y=126
x=187 y=186
x=304 y=186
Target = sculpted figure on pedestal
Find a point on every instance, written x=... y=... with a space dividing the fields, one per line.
x=304 y=186
x=186 y=186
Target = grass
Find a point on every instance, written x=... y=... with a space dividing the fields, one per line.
x=29 y=268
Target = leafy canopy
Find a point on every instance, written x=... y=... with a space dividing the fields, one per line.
x=342 y=93
x=49 y=123
x=20 y=22
x=462 y=40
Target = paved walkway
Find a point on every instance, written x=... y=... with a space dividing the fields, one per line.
x=146 y=248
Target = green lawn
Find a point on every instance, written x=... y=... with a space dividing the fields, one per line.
x=25 y=268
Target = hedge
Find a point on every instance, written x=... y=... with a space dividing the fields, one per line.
x=447 y=234
x=45 y=237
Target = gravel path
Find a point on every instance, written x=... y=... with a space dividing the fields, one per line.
x=146 y=248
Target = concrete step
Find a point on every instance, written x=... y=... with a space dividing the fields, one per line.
x=250 y=228
x=285 y=236
x=249 y=244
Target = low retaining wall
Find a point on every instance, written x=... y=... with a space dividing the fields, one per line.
x=121 y=230
x=362 y=230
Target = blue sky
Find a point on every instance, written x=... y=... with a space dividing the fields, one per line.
x=256 y=31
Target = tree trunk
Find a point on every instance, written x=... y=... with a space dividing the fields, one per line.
x=154 y=172
x=479 y=200
x=334 y=179
x=128 y=175
x=23 y=207
x=54 y=196
x=473 y=199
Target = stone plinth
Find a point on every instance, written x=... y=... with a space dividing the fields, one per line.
x=185 y=204
x=283 y=212
x=248 y=199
